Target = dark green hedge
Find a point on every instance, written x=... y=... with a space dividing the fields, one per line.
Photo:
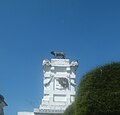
x=99 y=92
x=70 y=110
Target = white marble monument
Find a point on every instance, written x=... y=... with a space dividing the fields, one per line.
x=59 y=85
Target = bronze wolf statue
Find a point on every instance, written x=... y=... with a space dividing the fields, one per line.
x=60 y=55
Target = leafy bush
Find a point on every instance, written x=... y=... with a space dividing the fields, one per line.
x=70 y=110
x=99 y=92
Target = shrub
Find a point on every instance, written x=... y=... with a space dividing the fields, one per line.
x=70 y=110
x=99 y=91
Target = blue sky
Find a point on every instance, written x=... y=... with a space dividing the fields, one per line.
x=86 y=30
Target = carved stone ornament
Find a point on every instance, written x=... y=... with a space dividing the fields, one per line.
x=63 y=82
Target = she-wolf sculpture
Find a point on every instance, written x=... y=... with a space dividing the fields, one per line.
x=60 y=55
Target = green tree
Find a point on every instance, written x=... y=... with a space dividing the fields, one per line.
x=99 y=91
x=70 y=110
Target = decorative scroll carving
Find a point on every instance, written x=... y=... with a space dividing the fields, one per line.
x=46 y=62
x=48 y=81
x=74 y=63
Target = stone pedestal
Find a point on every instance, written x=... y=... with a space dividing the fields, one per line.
x=59 y=87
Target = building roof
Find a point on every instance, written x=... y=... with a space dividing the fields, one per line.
x=2 y=100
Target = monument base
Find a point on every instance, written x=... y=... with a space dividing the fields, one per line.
x=26 y=113
x=47 y=112
x=38 y=111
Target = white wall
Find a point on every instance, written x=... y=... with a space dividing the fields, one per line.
x=25 y=113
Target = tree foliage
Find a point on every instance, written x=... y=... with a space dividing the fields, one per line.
x=70 y=110
x=99 y=91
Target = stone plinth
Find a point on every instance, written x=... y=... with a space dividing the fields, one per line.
x=59 y=87
x=26 y=113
